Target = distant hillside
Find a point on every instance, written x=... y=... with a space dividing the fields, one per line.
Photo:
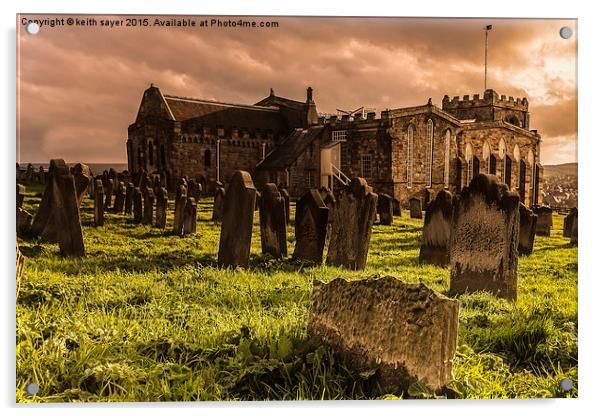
x=560 y=170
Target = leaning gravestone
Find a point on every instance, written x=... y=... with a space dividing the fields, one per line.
x=415 y=208
x=484 y=239
x=149 y=203
x=353 y=216
x=396 y=208
x=544 y=220
x=272 y=221
x=437 y=230
x=99 y=212
x=83 y=176
x=402 y=332
x=385 y=209
x=570 y=226
x=129 y=197
x=189 y=217
x=180 y=206
x=237 y=225
x=119 y=198
x=311 y=223
x=218 y=204
x=526 y=236
x=161 y=211
x=137 y=206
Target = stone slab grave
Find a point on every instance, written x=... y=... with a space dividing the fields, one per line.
x=436 y=232
x=218 y=202
x=237 y=224
x=484 y=239
x=161 y=211
x=544 y=220
x=120 y=192
x=272 y=221
x=311 y=223
x=571 y=228
x=385 y=209
x=129 y=198
x=526 y=236
x=415 y=208
x=396 y=208
x=83 y=176
x=287 y=203
x=149 y=205
x=189 y=217
x=353 y=217
x=99 y=211
x=179 y=208
x=405 y=332
x=137 y=205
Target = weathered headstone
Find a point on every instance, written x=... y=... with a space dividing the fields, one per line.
x=189 y=218
x=24 y=221
x=403 y=332
x=396 y=208
x=99 y=211
x=45 y=223
x=108 y=193
x=218 y=204
x=544 y=220
x=311 y=222
x=41 y=176
x=119 y=198
x=426 y=196
x=137 y=205
x=354 y=214
x=180 y=206
x=526 y=236
x=82 y=175
x=149 y=204
x=237 y=225
x=161 y=212
x=287 y=203
x=272 y=221
x=66 y=206
x=385 y=209
x=329 y=200
x=415 y=208
x=437 y=230
x=571 y=228
x=484 y=239
x=20 y=195
x=129 y=198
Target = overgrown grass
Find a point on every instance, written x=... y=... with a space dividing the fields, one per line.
x=147 y=316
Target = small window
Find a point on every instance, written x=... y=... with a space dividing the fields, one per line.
x=207 y=158
x=220 y=132
x=339 y=135
x=366 y=166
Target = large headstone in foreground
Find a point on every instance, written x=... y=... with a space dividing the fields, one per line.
x=161 y=211
x=405 y=331
x=544 y=220
x=415 y=208
x=570 y=228
x=311 y=222
x=484 y=239
x=237 y=224
x=99 y=204
x=437 y=230
x=353 y=216
x=272 y=221
x=385 y=209
x=526 y=236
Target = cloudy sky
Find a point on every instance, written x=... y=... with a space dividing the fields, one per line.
x=79 y=87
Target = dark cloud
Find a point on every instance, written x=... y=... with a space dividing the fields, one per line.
x=80 y=87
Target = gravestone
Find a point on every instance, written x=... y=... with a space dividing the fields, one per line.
x=30 y=174
x=149 y=203
x=311 y=222
x=108 y=184
x=41 y=176
x=161 y=212
x=570 y=228
x=70 y=235
x=137 y=205
x=426 y=196
x=180 y=206
x=195 y=190
x=237 y=225
x=385 y=209
x=415 y=208
x=526 y=235
x=544 y=220
x=402 y=332
x=24 y=221
x=484 y=239
x=437 y=230
x=20 y=195
x=218 y=204
x=287 y=203
x=272 y=221
x=189 y=218
x=396 y=208
x=129 y=198
x=354 y=214
x=99 y=212
x=329 y=200
x=120 y=198
x=82 y=175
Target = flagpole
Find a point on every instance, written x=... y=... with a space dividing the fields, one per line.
x=487 y=29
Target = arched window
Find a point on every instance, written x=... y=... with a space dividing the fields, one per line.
x=410 y=160
x=447 y=156
x=487 y=156
x=502 y=151
x=470 y=165
x=150 y=153
x=207 y=158
x=429 y=153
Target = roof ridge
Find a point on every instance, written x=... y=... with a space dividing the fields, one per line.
x=201 y=100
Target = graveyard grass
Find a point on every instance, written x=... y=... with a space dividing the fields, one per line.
x=147 y=316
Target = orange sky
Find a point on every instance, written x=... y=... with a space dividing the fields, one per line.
x=79 y=87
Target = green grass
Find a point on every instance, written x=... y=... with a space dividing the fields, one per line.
x=147 y=316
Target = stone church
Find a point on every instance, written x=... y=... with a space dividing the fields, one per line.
x=285 y=141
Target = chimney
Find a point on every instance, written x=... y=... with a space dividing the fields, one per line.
x=271 y=92
x=310 y=95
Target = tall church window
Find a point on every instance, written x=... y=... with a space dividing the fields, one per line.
x=366 y=166
x=470 y=165
x=446 y=157
x=502 y=151
x=150 y=153
x=487 y=156
x=410 y=159
x=429 y=153
x=207 y=158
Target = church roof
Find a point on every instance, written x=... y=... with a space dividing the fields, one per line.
x=290 y=149
x=275 y=100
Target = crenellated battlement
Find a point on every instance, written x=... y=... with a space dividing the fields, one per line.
x=490 y=98
x=345 y=121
